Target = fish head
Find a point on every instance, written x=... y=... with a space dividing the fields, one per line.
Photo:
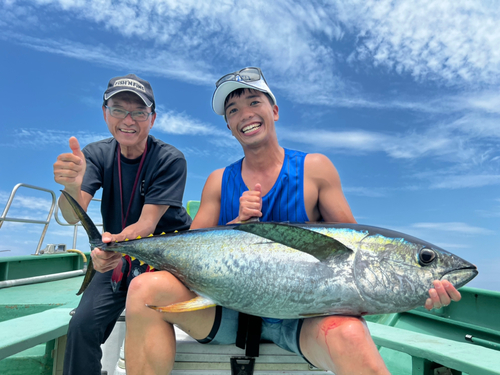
x=396 y=271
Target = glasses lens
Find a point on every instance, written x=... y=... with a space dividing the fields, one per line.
x=249 y=74
x=227 y=77
x=246 y=75
x=121 y=114
x=139 y=115
x=118 y=113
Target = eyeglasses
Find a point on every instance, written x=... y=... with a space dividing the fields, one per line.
x=250 y=74
x=121 y=114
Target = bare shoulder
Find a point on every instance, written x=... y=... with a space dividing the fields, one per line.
x=322 y=184
x=214 y=180
x=319 y=166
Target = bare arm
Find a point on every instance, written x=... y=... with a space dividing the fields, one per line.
x=323 y=191
x=208 y=213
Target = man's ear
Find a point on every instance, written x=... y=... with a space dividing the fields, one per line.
x=153 y=118
x=276 y=112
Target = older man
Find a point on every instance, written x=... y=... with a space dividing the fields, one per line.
x=143 y=182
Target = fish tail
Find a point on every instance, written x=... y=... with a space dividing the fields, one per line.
x=95 y=237
x=88 y=277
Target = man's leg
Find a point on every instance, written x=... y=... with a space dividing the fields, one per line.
x=91 y=325
x=150 y=338
x=341 y=344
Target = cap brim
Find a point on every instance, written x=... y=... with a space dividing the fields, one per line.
x=138 y=93
x=228 y=87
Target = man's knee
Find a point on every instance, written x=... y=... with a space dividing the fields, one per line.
x=346 y=329
x=149 y=288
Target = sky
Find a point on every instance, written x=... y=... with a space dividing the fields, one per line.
x=402 y=96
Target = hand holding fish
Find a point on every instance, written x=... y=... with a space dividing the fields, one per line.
x=105 y=261
x=250 y=205
x=443 y=293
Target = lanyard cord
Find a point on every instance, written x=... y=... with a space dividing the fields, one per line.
x=124 y=218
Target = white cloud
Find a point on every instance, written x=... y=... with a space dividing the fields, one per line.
x=181 y=123
x=365 y=191
x=446 y=40
x=38 y=138
x=302 y=46
x=464 y=181
x=457 y=227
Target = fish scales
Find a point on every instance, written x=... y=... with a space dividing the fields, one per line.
x=245 y=273
x=285 y=271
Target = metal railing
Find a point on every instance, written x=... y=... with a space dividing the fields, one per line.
x=46 y=222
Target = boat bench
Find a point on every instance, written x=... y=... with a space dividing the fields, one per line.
x=28 y=331
x=429 y=352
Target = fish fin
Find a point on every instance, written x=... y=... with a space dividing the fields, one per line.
x=197 y=303
x=88 y=277
x=95 y=238
x=316 y=244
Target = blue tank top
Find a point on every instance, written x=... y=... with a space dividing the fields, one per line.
x=284 y=202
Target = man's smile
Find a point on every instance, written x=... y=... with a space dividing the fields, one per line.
x=251 y=127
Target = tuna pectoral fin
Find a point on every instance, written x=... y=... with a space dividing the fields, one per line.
x=197 y=303
x=316 y=244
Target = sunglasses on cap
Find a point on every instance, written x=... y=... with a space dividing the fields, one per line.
x=250 y=74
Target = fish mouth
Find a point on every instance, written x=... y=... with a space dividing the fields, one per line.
x=461 y=276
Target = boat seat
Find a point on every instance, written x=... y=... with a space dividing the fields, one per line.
x=25 y=332
x=428 y=351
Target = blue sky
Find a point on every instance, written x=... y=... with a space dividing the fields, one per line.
x=402 y=96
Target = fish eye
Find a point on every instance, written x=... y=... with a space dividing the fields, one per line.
x=426 y=256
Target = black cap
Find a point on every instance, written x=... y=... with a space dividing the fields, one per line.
x=131 y=83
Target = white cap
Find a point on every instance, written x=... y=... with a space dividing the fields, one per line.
x=228 y=87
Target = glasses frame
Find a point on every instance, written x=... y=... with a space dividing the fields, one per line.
x=127 y=113
x=234 y=75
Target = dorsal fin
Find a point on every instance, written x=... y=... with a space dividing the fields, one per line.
x=316 y=244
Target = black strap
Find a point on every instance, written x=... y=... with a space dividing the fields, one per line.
x=248 y=335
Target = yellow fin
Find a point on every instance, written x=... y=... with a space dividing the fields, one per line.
x=176 y=231
x=138 y=237
x=132 y=258
x=162 y=233
x=197 y=303
x=141 y=262
x=126 y=239
x=151 y=235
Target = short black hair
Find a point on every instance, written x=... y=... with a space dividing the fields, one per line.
x=238 y=92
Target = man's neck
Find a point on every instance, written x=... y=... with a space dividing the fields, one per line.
x=133 y=152
x=262 y=165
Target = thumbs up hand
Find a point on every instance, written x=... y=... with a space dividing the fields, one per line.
x=69 y=168
x=250 y=205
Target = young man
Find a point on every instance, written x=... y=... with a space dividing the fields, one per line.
x=143 y=182
x=286 y=185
